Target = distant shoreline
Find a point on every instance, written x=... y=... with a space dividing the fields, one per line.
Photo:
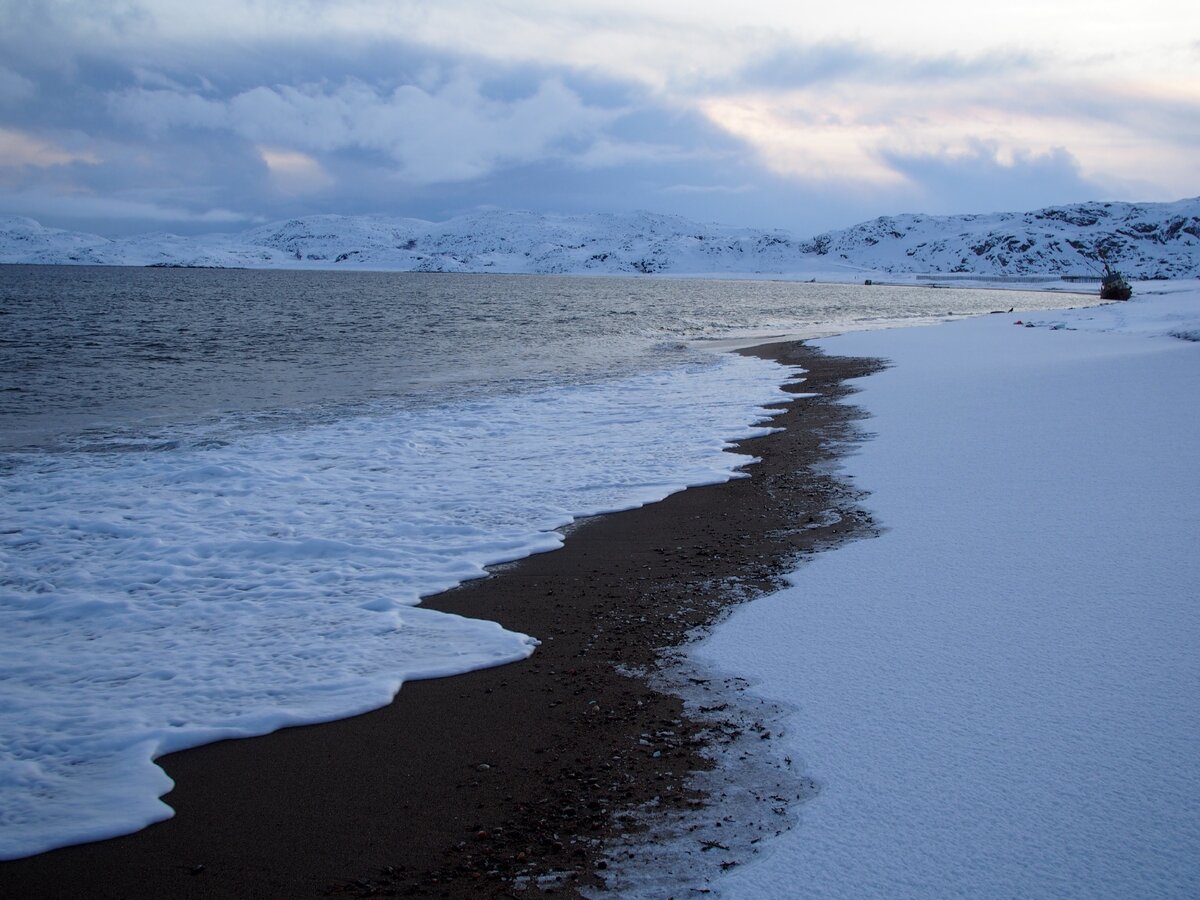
x=1031 y=283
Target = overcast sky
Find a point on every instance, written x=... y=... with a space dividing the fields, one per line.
x=214 y=115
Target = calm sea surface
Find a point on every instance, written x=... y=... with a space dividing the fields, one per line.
x=112 y=355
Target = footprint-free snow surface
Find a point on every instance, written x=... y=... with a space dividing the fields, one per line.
x=1000 y=696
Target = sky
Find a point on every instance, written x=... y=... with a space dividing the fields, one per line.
x=123 y=116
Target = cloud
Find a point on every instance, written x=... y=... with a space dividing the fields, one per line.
x=852 y=132
x=50 y=205
x=763 y=112
x=18 y=148
x=985 y=179
x=607 y=153
x=810 y=142
x=709 y=189
x=15 y=88
x=158 y=111
x=449 y=133
x=294 y=172
x=665 y=45
x=793 y=65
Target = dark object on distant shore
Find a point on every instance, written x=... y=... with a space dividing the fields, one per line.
x=1114 y=286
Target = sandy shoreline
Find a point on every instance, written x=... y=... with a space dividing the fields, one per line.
x=463 y=784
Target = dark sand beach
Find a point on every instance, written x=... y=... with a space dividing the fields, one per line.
x=469 y=786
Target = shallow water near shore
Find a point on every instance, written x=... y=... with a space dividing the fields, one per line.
x=227 y=490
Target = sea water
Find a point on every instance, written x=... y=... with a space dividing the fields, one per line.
x=225 y=492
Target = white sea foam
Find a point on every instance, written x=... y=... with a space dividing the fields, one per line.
x=158 y=600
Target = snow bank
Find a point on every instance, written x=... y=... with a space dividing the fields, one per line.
x=998 y=696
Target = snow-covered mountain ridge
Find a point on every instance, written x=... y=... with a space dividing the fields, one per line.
x=1145 y=240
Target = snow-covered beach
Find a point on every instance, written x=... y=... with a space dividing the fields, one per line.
x=998 y=696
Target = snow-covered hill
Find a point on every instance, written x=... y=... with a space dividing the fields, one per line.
x=502 y=241
x=1145 y=240
x=1150 y=240
x=26 y=241
x=494 y=241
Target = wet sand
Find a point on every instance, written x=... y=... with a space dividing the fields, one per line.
x=476 y=784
